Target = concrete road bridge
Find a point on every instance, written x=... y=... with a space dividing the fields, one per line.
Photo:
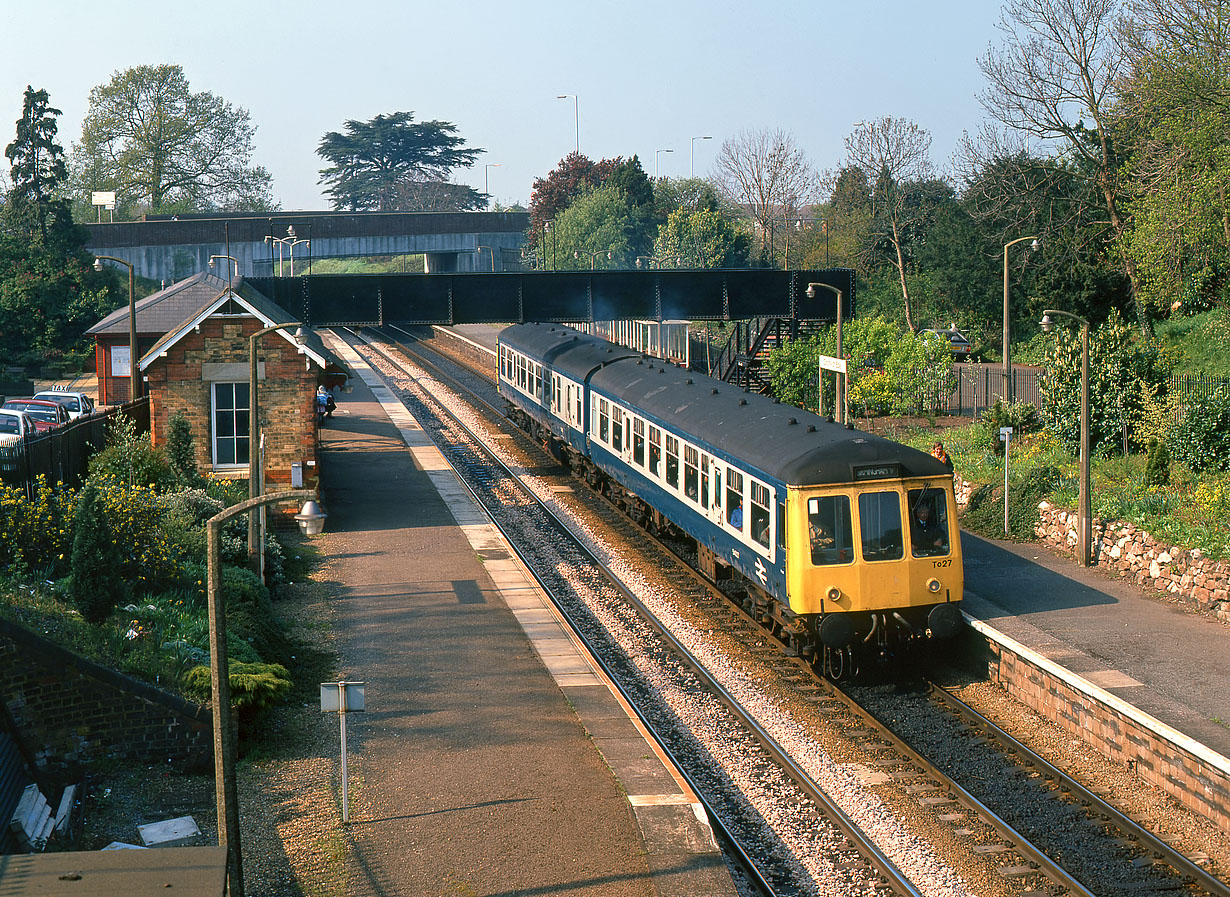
x=169 y=248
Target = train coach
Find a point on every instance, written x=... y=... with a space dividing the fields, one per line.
x=842 y=540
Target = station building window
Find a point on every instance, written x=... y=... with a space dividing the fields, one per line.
x=231 y=424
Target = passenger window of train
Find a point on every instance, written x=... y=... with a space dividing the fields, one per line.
x=672 y=461
x=578 y=406
x=717 y=486
x=604 y=421
x=690 y=487
x=734 y=498
x=879 y=517
x=617 y=429
x=760 y=513
x=521 y=373
x=928 y=522
x=781 y=526
x=704 y=481
x=638 y=442
x=828 y=530
x=655 y=450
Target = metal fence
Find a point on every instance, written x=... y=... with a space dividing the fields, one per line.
x=63 y=454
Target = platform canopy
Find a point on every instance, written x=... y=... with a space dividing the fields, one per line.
x=337 y=300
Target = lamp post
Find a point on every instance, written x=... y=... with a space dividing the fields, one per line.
x=487 y=168
x=692 y=156
x=134 y=378
x=1084 y=517
x=840 y=399
x=798 y=224
x=1007 y=389
x=231 y=257
x=256 y=554
x=479 y=251
x=593 y=256
x=656 y=153
x=576 y=116
x=225 y=789
x=289 y=240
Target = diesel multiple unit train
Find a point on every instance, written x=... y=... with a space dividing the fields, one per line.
x=842 y=539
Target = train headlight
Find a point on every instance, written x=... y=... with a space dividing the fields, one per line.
x=834 y=593
x=933 y=585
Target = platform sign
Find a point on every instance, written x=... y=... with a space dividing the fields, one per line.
x=829 y=363
x=342 y=698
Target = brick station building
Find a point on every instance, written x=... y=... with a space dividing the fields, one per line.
x=200 y=365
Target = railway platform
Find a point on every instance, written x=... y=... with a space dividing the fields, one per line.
x=492 y=757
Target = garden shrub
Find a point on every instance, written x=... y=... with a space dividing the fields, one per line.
x=1023 y=417
x=96 y=584
x=255 y=687
x=150 y=559
x=985 y=512
x=181 y=450
x=130 y=457
x=36 y=535
x=1201 y=440
x=253 y=632
x=1157 y=466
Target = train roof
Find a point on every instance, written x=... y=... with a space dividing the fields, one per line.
x=563 y=349
x=793 y=445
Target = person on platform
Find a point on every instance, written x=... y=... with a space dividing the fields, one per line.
x=940 y=454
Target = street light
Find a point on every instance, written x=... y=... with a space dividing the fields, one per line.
x=486 y=168
x=289 y=240
x=1007 y=390
x=479 y=251
x=798 y=224
x=231 y=257
x=593 y=256
x=692 y=156
x=1084 y=518
x=840 y=399
x=134 y=378
x=225 y=789
x=256 y=538
x=655 y=160
x=576 y=116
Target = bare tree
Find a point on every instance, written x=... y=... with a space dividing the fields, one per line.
x=767 y=174
x=892 y=153
x=1055 y=77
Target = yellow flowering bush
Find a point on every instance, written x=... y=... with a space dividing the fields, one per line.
x=151 y=560
x=37 y=534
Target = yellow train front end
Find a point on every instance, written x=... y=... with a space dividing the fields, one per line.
x=875 y=562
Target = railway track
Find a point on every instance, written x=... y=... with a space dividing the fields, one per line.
x=1127 y=859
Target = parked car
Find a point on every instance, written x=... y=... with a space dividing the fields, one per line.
x=78 y=404
x=957 y=340
x=14 y=427
x=43 y=413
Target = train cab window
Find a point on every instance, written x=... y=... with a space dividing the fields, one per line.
x=828 y=530
x=734 y=498
x=704 y=481
x=604 y=421
x=672 y=461
x=655 y=450
x=690 y=487
x=638 y=442
x=928 y=522
x=617 y=429
x=760 y=514
x=879 y=517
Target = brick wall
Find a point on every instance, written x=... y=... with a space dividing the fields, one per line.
x=1189 y=772
x=70 y=712
x=285 y=395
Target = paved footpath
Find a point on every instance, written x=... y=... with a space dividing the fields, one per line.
x=470 y=770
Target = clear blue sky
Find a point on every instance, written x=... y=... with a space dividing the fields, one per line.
x=648 y=75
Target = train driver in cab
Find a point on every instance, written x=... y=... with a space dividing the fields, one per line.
x=928 y=536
